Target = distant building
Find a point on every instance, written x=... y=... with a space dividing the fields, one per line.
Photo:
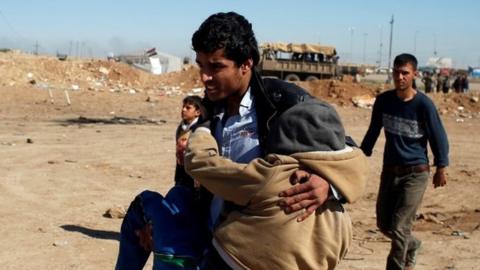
x=439 y=62
x=153 y=61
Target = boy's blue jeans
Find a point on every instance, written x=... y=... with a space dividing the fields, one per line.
x=179 y=234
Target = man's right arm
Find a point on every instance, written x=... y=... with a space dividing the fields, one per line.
x=235 y=182
x=373 y=130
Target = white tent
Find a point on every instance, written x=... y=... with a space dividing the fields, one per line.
x=439 y=62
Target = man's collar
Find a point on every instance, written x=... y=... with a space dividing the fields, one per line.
x=246 y=105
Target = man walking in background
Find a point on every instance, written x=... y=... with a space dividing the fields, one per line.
x=410 y=120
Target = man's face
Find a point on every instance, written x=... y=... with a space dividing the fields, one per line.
x=189 y=112
x=403 y=76
x=222 y=77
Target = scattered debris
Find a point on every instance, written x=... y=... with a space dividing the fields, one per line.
x=468 y=173
x=364 y=101
x=60 y=243
x=457 y=233
x=115 y=120
x=430 y=217
x=104 y=70
x=115 y=212
x=8 y=143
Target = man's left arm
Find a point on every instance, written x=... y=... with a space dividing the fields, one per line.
x=310 y=190
x=437 y=138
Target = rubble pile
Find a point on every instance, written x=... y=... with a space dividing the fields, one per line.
x=462 y=106
x=46 y=72
x=19 y=69
x=342 y=93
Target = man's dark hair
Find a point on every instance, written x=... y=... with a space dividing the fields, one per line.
x=229 y=31
x=405 y=58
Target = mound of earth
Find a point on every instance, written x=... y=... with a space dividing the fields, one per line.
x=25 y=70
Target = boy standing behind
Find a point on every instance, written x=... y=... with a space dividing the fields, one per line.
x=192 y=108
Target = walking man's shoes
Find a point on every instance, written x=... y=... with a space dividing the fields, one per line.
x=412 y=255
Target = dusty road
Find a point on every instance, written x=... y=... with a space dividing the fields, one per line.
x=59 y=174
x=62 y=166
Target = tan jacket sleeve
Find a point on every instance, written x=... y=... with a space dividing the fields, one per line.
x=347 y=172
x=353 y=179
x=232 y=181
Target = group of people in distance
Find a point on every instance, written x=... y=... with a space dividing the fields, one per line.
x=264 y=168
x=440 y=82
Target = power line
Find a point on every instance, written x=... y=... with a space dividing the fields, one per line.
x=8 y=24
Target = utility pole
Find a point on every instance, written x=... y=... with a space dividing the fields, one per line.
x=364 y=47
x=77 y=45
x=70 y=49
x=351 y=29
x=415 y=42
x=380 y=50
x=36 y=48
x=389 y=76
x=83 y=49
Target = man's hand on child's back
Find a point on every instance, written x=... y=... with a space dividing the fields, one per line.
x=309 y=192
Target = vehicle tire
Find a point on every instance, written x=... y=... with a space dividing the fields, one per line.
x=311 y=78
x=292 y=77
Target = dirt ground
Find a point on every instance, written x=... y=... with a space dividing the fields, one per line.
x=63 y=166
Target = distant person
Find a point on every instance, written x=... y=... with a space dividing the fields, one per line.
x=438 y=83
x=460 y=84
x=457 y=84
x=465 y=84
x=321 y=58
x=446 y=84
x=427 y=82
x=410 y=120
x=296 y=56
